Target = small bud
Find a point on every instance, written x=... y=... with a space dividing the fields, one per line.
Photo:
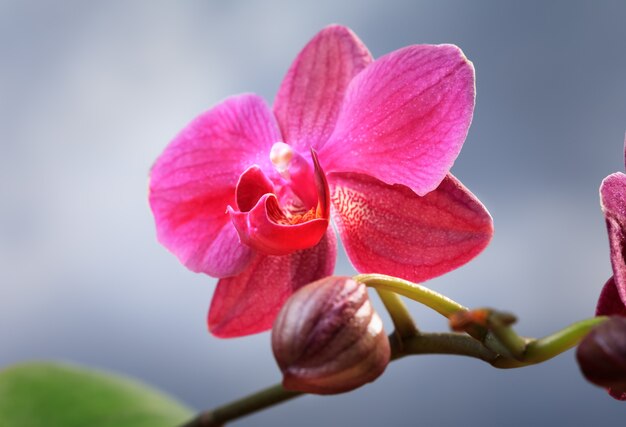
x=328 y=339
x=601 y=356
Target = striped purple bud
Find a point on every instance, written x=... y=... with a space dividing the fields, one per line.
x=328 y=339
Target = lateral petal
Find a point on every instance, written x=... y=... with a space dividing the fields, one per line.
x=249 y=303
x=194 y=179
x=405 y=117
x=391 y=230
x=311 y=93
x=227 y=255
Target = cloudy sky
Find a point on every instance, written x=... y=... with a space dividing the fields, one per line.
x=90 y=94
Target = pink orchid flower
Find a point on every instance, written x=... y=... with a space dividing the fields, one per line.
x=612 y=300
x=246 y=194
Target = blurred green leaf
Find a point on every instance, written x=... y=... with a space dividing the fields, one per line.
x=59 y=395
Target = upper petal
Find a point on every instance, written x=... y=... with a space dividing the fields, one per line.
x=613 y=201
x=194 y=179
x=405 y=117
x=311 y=93
x=249 y=303
x=391 y=230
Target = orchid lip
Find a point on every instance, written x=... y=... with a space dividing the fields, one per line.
x=278 y=219
x=267 y=229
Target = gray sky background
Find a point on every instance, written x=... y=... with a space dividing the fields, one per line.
x=91 y=92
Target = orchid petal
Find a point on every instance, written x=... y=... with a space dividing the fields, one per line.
x=311 y=93
x=405 y=117
x=249 y=303
x=391 y=230
x=613 y=201
x=227 y=256
x=610 y=303
x=266 y=228
x=194 y=180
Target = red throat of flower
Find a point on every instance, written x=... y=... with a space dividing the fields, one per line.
x=289 y=213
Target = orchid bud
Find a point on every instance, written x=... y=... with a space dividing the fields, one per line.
x=602 y=356
x=328 y=339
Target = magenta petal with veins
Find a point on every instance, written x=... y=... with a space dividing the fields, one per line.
x=249 y=302
x=312 y=92
x=389 y=228
x=193 y=181
x=405 y=117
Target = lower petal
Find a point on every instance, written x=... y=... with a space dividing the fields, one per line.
x=249 y=303
x=389 y=229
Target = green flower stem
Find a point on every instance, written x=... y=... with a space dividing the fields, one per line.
x=494 y=344
x=498 y=345
x=540 y=350
x=402 y=320
x=242 y=407
x=431 y=299
x=513 y=344
x=443 y=343
x=440 y=303
x=431 y=343
x=546 y=348
x=536 y=351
